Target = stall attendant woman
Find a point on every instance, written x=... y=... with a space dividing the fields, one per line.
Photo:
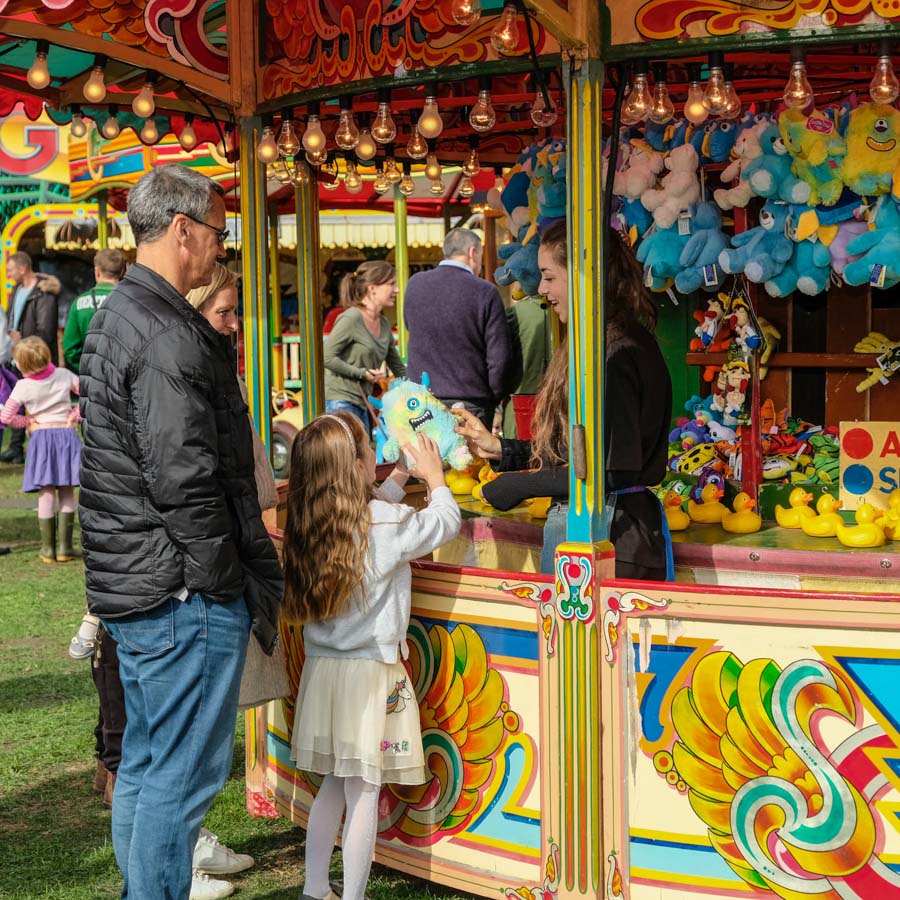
x=637 y=413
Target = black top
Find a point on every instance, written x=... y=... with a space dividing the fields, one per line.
x=638 y=411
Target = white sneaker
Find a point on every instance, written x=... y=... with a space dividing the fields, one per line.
x=216 y=859
x=205 y=888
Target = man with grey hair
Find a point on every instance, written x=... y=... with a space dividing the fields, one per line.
x=179 y=564
x=458 y=331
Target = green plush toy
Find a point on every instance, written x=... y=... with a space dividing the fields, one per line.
x=818 y=151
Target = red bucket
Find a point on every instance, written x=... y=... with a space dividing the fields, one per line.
x=523 y=408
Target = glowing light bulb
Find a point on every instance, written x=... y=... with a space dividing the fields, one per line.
x=330 y=171
x=317 y=157
x=465 y=12
x=95 y=87
x=279 y=171
x=78 y=128
x=542 y=115
x=380 y=185
x=150 y=133
x=111 y=127
x=313 y=137
x=352 y=179
x=637 y=106
x=437 y=187
x=417 y=148
x=299 y=173
x=466 y=188
x=714 y=96
x=267 y=149
x=407 y=185
x=391 y=172
x=884 y=86
x=347 y=134
x=288 y=143
x=225 y=144
x=662 y=109
x=38 y=76
x=505 y=36
x=188 y=137
x=798 y=92
x=733 y=104
x=383 y=128
x=471 y=166
x=694 y=110
x=430 y=122
x=482 y=116
x=143 y=104
x=432 y=168
x=366 y=148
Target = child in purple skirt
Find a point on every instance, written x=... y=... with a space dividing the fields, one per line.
x=54 y=450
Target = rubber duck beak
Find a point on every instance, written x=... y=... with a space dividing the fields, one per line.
x=719 y=494
x=751 y=504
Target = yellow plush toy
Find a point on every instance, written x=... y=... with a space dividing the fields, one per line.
x=817 y=150
x=873 y=149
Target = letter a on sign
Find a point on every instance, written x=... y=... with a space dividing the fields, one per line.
x=891 y=445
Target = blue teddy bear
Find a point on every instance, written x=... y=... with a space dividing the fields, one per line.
x=659 y=253
x=808 y=271
x=879 y=248
x=700 y=255
x=520 y=264
x=761 y=252
x=770 y=175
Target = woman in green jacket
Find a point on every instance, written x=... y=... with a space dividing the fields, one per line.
x=361 y=349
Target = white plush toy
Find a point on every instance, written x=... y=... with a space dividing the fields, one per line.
x=640 y=172
x=677 y=191
x=746 y=149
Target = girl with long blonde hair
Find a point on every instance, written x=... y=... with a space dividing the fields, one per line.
x=347 y=549
x=638 y=393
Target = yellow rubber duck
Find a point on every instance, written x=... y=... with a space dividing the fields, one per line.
x=709 y=510
x=460 y=483
x=677 y=518
x=889 y=520
x=825 y=524
x=865 y=533
x=799 y=509
x=743 y=520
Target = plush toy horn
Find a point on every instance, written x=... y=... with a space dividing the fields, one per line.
x=374 y=401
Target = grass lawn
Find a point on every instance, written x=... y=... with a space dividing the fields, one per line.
x=54 y=830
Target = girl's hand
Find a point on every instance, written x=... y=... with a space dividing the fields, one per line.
x=427 y=462
x=481 y=442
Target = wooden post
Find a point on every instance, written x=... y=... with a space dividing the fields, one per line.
x=308 y=299
x=277 y=348
x=102 y=221
x=401 y=263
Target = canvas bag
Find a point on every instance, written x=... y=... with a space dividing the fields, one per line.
x=264 y=678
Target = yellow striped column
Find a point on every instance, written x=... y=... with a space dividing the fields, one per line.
x=572 y=766
x=308 y=298
x=401 y=264
x=255 y=282
x=277 y=348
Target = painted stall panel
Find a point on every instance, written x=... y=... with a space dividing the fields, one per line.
x=752 y=741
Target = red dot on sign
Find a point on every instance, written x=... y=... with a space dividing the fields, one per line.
x=857 y=443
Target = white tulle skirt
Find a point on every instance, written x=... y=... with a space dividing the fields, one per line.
x=358 y=718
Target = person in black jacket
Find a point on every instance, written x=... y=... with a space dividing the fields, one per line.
x=32 y=313
x=179 y=564
x=638 y=392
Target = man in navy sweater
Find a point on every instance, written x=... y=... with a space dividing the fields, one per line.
x=458 y=332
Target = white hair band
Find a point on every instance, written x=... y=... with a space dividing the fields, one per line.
x=346 y=428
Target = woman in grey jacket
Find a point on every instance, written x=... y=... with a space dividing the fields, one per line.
x=361 y=345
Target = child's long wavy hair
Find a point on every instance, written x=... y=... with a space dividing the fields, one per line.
x=326 y=534
x=627 y=301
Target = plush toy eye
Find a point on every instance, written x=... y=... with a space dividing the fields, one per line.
x=881 y=125
x=726 y=126
x=412 y=404
x=766 y=220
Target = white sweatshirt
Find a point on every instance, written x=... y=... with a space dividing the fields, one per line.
x=375 y=627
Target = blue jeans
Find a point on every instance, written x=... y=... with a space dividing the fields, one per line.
x=180 y=665
x=333 y=406
x=554 y=535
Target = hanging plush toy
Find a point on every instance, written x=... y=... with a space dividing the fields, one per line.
x=807 y=271
x=878 y=250
x=678 y=190
x=770 y=175
x=700 y=255
x=408 y=409
x=709 y=322
x=746 y=149
x=639 y=173
x=873 y=149
x=837 y=249
x=520 y=265
x=761 y=252
x=660 y=253
x=818 y=152
x=746 y=335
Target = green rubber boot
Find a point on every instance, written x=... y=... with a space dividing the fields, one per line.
x=48 y=540
x=65 y=552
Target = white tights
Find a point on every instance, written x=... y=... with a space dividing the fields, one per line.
x=47 y=501
x=358 y=841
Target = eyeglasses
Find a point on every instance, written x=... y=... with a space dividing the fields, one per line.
x=221 y=233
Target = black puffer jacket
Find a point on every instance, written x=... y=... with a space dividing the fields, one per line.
x=168 y=496
x=40 y=313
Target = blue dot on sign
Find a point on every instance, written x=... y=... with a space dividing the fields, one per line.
x=858 y=479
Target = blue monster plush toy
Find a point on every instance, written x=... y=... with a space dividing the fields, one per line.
x=879 y=248
x=520 y=263
x=700 y=256
x=408 y=409
x=761 y=252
